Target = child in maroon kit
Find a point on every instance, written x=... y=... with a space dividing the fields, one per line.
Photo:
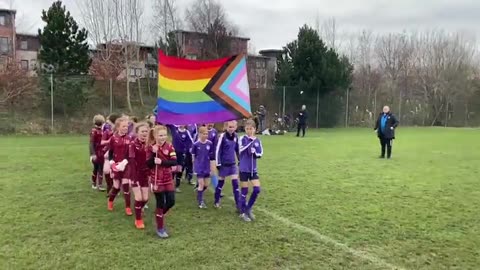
x=162 y=159
x=202 y=154
x=96 y=152
x=107 y=133
x=137 y=159
x=118 y=156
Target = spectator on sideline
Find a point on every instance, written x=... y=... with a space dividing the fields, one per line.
x=385 y=127
x=262 y=112
x=302 y=121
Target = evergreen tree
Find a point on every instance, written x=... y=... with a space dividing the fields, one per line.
x=64 y=49
x=311 y=66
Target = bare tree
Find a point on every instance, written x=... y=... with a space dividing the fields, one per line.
x=329 y=32
x=98 y=16
x=168 y=18
x=15 y=85
x=128 y=14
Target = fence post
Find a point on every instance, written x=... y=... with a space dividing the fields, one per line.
x=51 y=99
x=111 y=96
x=283 y=102
x=318 y=106
x=346 y=108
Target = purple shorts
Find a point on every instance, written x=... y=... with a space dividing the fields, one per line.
x=225 y=171
x=203 y=175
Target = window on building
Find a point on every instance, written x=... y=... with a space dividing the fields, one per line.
x=2 y=20
x=24 y=45
x=138 y=72
x=4 y=45
x=191 y=56
x=33 y=64
x=24 y=64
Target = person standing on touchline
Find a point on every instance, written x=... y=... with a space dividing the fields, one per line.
x=385 y=127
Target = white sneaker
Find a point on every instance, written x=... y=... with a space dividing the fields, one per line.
x=94 y=187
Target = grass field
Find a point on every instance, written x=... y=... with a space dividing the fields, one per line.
x=327 y=202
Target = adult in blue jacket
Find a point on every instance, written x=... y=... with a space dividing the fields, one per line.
x=385 y=127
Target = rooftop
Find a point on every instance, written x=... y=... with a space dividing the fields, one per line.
x=193 y=32
x=8 y=10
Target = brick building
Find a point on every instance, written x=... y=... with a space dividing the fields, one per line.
x=7 y=35
x=191 y=44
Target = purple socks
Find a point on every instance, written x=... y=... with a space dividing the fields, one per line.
x=218 y=190
x=200 y=196
x=243 y=200
x=236 y=192
x=253 y=198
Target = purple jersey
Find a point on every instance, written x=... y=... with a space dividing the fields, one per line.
x=106 y=127
x=181 y=139
x=212 y=136
x=193 y=129
x=226 y=149
x=250 y=150
x=202 y=154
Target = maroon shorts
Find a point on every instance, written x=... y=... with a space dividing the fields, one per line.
x=122 y=175
x=140 y=182
x=164 y=187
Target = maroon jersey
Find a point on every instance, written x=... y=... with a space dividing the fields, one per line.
x=119 y=146
x=95 y=142
x=106 y=135
x=137 y=159
x=161 y=175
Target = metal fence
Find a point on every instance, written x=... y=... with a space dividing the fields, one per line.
x=66 y=104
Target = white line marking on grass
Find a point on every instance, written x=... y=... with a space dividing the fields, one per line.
x=359 y=254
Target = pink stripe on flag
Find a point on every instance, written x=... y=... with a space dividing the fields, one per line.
x=237 y=90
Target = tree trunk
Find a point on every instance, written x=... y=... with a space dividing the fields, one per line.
x=148 y=84
x=129 y=103
x=140 y=91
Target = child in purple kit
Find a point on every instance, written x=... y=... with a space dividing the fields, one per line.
x=226 y=155
x=250 y=149
x=202 y=154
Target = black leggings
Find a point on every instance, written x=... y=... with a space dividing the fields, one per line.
x=97 y=168
x=301 y=127
x=386 y=143
x=165 y=200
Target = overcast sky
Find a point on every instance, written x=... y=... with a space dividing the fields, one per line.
x=273 y=23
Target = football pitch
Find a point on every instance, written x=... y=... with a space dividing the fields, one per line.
x=327 y=202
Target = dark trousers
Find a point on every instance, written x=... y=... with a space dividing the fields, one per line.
x=301 y=127
x=386 y=145
x=165 y=200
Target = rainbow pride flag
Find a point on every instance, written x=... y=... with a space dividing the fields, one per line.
x=193 y=91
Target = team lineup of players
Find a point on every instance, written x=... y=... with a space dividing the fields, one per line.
x=139 y=157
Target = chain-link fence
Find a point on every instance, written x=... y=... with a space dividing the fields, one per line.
x=352 y=107
x=66 y=104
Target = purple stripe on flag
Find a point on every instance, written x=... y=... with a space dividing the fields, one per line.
x=200 y=118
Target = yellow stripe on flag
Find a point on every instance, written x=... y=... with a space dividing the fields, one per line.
x=182 y=86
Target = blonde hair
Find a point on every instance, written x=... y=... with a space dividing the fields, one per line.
x=202 y=129
x=250 y=123
x=154 y=133
x=141 y=124
x=120 y=120
x=225 y=124
x=98 y=120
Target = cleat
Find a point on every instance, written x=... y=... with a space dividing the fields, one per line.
x=381 y=156
x=139 y=224
x=128 y=211
x=245 y=218
x=110 y=206
x=202 y=205
x=162 y=233
x=222 y=195
x=251 y=215
x=217 y=205
x=102 y=189
x=94 y=187
x=146 y=206
x=177 y=190
x=191 y=183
